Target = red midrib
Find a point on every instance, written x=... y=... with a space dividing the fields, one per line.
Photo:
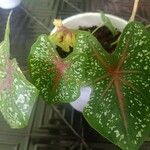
x=60 y=67
x=7 y=82
x=117 y=74
x=121 y=99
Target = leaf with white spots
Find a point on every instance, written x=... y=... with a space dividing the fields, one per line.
x=58 y=79
x=121 y=112
x=17 y=95
x=119 y=106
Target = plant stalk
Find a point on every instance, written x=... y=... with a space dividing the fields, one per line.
x=98 y=27
x=135 y=7
x=147 y=26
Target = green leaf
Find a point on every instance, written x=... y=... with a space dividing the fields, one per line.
x=121 y=113
x=108 y=24
x=17 y=95
x=47 y=71
x=119 y=106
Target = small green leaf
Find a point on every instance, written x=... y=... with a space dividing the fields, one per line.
x=108 y=24
x=17 y=95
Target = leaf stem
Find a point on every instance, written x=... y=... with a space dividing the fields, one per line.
x=98 y=27
x=134 y=10
x=7 y=33
x=115 y=42
x=147 y=26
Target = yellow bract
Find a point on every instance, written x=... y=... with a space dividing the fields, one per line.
x=57 y=22
x=63 y=37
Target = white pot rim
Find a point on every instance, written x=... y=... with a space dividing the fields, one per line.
x=91 y=14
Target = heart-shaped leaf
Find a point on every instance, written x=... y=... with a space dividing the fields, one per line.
x=48 y=69
x=119 y=106
x=17 y=95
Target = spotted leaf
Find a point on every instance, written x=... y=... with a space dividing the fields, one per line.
x=121 y=112
x=50 y=72
x=119 y=103
x=17 y=95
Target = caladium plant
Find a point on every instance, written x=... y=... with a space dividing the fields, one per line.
x=17 y=94
x=119 y=106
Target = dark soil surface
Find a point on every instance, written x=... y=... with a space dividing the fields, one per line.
x=62 y=53
x=103 y=35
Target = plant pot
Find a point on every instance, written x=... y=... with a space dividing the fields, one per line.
x=9 y=4
x=88 y=20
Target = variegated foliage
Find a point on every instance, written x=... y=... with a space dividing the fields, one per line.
x=17 y=95
x=119 y=106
